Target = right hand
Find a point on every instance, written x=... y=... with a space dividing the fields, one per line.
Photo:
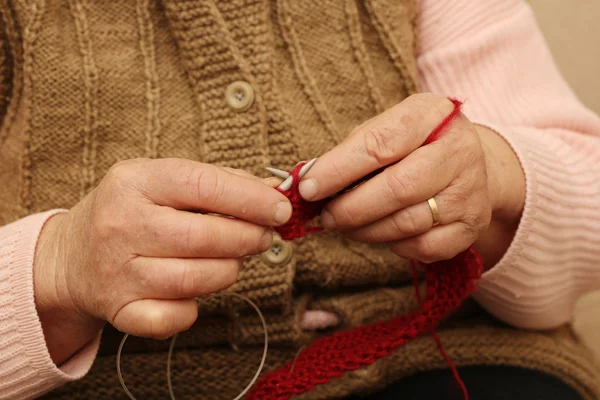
x=137 y=250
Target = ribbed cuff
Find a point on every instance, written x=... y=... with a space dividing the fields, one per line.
x=550 y=262
x=27 y=368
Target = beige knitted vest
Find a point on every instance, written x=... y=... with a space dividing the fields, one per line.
x=84 y=84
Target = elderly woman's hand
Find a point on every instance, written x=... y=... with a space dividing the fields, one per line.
x=469 y=172
x=137 y=250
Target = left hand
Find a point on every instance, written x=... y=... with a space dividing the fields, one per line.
x=392 y=206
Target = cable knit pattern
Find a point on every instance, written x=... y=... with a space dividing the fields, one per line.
x=490 y=54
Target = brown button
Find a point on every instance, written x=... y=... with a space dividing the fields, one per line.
x=239 y=96
x=279 y=253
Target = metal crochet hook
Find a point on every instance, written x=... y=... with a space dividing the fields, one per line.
x=287 y=183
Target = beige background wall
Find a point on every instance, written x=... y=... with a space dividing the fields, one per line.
x=572 y=29
x=573 y=32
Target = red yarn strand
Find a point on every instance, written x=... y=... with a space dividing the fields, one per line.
x=451 y=364
x=436 y=338
x=448 y=283
x=437 y=132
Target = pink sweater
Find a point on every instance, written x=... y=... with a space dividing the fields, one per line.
x=490 y=54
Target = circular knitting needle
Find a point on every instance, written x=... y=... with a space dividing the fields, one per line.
x=287 y=184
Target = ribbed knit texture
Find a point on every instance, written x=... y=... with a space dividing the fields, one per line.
x=134 y=81
x=26 y=369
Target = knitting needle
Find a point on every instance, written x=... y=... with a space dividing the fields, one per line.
x=286 y=175
x=287 y=183
x=278 y=172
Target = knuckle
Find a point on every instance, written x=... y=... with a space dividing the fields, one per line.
x=123 y=172
x=207 y=185
x=470 y=150
x=253 y=240
x=456 y=196
x=405 y=221
x=429 y=252
x=368 y=233
x=272 y=181
x=417 y=98
x=441 y=104
x=426 y=98
x=400 y=185
x=469 y=225
x=266 y=238
x=433 y=101
x=469 y=234
x=190 y=281
x=457 y=149
x=229 y=274
x=199 y=237
x=105 y=226
x=210 y=278
x=477 y=221
x=339 y=172
x=377 y=144
x=431 y=104
x=471 y=138
x=345 y=216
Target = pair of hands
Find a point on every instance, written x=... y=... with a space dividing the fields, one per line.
x=139 y=248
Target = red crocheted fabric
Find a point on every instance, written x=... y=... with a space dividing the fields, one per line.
x=448 y=284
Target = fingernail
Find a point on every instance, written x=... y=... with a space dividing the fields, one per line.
x=283 y=212
x=309 y=189
x=327 y=220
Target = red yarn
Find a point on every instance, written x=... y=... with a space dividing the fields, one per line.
x=448 y=284
x=437 y=132
x=436 y=338
x=303 y=212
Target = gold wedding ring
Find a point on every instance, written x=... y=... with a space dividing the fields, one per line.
x=435 y=211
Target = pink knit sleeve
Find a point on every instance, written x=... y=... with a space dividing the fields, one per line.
x=27 y=370
x=492 y=55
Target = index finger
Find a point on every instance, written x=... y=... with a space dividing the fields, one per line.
x=384 y=140
x=190 y=185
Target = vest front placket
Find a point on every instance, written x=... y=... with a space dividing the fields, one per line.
x=227 y=51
